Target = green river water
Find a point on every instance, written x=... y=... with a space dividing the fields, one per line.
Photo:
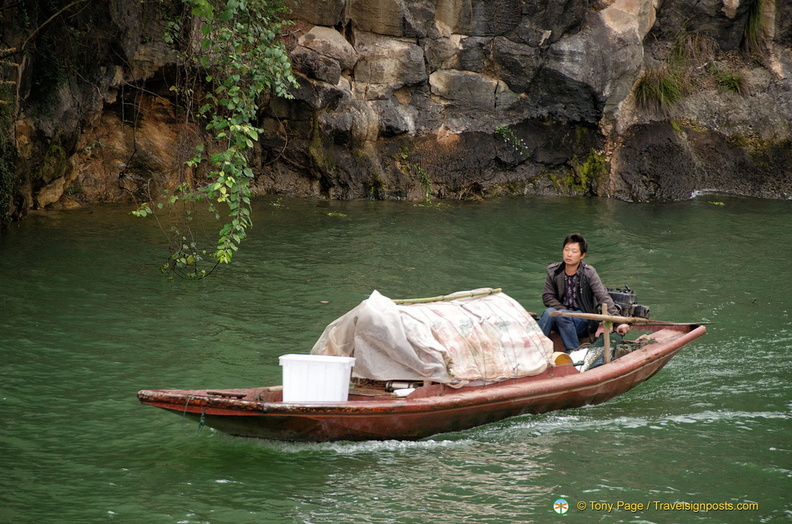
x=87 y=320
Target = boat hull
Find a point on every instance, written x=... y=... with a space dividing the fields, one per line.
x=257 y=412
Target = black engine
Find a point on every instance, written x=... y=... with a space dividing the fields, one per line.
x=626 y=300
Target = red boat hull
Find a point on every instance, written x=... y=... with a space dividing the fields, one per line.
x=258 y=412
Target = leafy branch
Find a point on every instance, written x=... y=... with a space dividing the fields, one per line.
x=508 y=136
x=242 y=58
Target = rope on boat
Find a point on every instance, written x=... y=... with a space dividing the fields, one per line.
x=452 y=296
x=201 y=421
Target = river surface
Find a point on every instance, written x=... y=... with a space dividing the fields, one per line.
x=87 y=320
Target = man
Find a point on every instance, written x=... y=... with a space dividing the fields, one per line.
x=572 y=285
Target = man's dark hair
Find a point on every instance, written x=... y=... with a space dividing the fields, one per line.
x=576 y=237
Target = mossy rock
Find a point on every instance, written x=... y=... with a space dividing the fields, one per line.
x=54 y=165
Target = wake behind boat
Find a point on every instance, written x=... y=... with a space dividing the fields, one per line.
x=427 y=367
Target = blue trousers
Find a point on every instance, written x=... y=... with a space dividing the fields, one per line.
x=570 y=329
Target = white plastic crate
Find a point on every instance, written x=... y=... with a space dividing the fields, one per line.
x=315 y=378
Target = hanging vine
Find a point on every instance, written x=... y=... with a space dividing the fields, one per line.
x=241 y=57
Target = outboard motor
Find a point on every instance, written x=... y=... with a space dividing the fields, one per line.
x=626 y=300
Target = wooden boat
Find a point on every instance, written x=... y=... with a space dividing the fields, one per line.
x=374 y=413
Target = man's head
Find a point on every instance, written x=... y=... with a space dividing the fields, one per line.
x=574 y=251
x=577 y=238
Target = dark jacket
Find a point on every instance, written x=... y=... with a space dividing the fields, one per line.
x=590 y=292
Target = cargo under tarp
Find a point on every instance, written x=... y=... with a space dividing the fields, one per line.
x=486 y=337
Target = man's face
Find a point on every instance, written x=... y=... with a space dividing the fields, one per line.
x=572 y=254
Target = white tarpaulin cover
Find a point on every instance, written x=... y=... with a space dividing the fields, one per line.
x=488 y=337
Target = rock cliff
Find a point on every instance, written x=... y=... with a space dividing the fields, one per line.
x=632 y=99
